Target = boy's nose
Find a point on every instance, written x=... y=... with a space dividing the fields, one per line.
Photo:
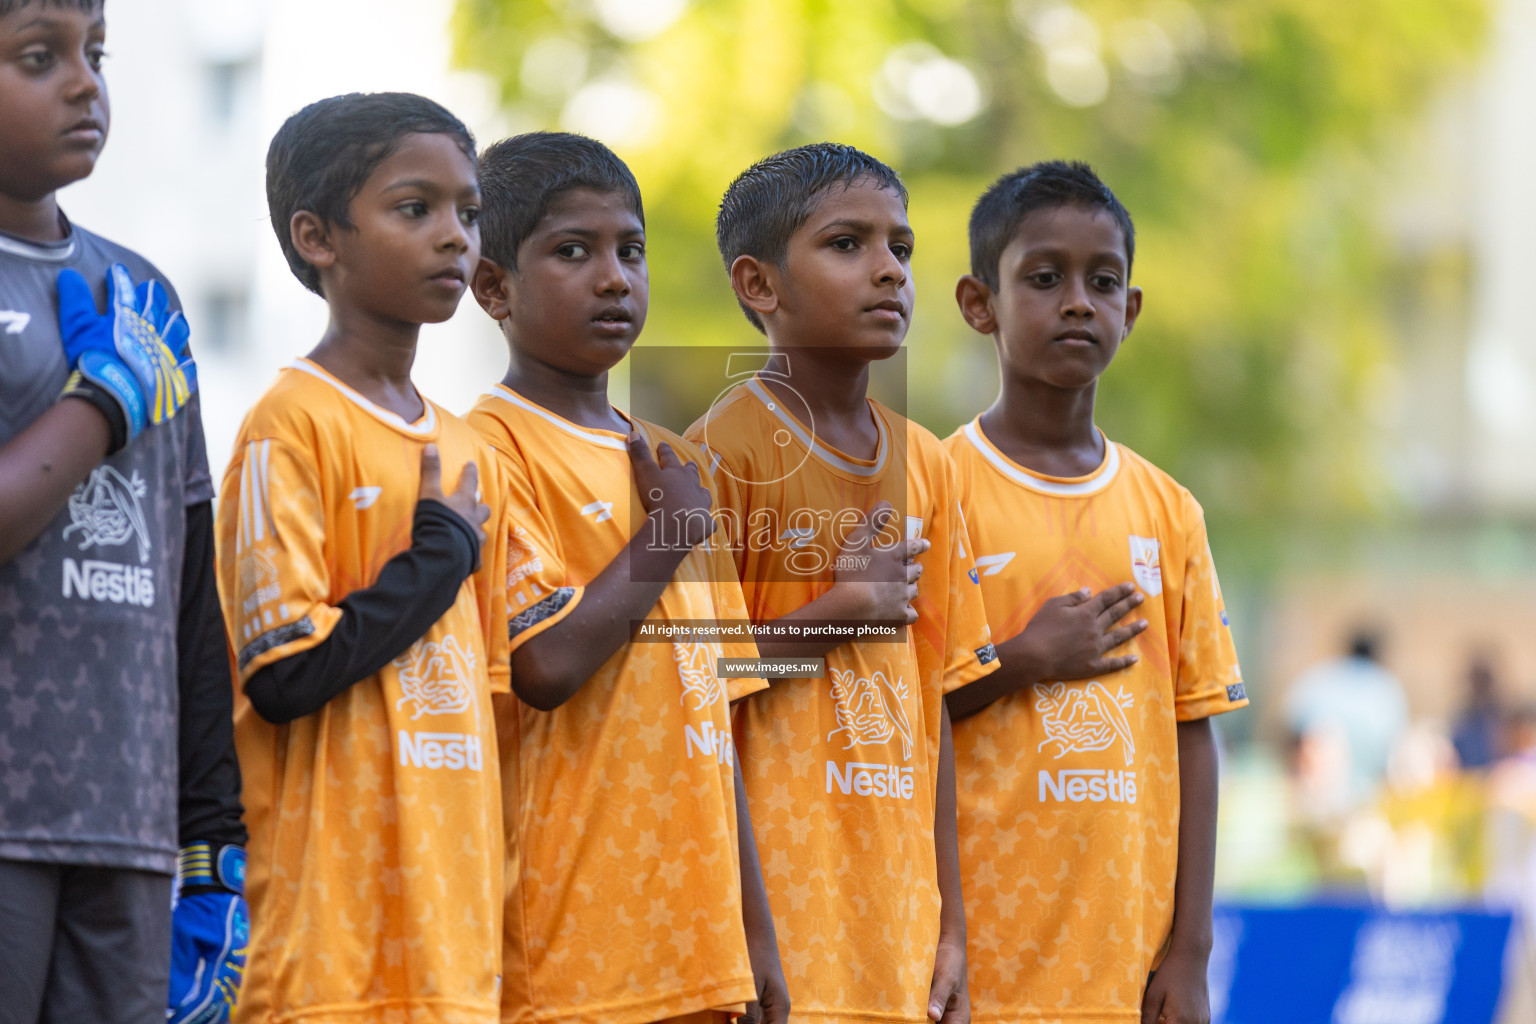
x=611 y=279
x=1075 y=300
x=456 y=234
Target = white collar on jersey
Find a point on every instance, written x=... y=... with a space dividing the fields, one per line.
x=13 y=246
x=511 y=397
x=422 y=427
x=823 y=452
x=1105 y=473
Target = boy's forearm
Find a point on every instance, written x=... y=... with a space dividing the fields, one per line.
x=209 y=788
x=550 y=668
x=1192 y=892
x=41 y=467
x=946 y=840
x=1016 y=670
x=756 y=917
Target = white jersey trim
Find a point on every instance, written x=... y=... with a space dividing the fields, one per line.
x=421 y=427
x=511 y=397
x=821 y=451
x=1105 y=474
x=43 y=253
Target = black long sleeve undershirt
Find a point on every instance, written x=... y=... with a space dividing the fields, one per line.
x=209 y=790
x=378 y=623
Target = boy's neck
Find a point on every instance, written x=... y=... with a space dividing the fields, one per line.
x=834 y=384
x=1049 y=430
x=374 y=358
x=576 y=397
x=34 y=220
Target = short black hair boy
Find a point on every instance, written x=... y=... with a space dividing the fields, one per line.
x=1055 y=511
x=771 y=199
x=564 y=273
x=520 y=177
x=818 y=246
x=996 y=217
x=322 y=155
x=115 y=677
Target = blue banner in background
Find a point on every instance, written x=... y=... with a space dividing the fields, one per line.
x=1356 y=965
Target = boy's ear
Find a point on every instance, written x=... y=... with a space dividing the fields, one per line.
x=1132 y=310
x=489 y=284
x=756 y=284
x=975 y=300
x=311 y=237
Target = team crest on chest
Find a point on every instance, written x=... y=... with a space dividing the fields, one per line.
x=1146 y=564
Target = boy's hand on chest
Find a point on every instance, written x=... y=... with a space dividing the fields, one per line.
x=1074 y=636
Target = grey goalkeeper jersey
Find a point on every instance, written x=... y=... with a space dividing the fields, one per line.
x=89 y=610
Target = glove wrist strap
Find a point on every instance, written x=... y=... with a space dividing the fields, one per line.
x=203 y=867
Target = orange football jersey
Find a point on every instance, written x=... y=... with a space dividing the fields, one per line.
x=1069 y=791
x=841 y=771
x=375 y=875
x=623 y=883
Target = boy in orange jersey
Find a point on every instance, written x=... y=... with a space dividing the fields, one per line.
x=850 y=772
x=634 y=892
x=1087 y=779
x=368 y=625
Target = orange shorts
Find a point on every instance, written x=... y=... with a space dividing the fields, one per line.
x=703 y=1017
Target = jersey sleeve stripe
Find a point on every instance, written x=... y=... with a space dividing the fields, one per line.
x=286 y=633
x=245 y=500
x=263 y=503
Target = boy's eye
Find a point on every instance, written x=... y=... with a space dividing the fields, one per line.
x=845 y=243
x=1045 y=278
x=1108 y=282
x=572 y=250
x=414 y=208
x=37 y=60
x=94 y=57
x=902 y=251
x=470 y=214
x=632 y=251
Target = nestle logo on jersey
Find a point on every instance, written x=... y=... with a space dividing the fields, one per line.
x=1095 y=785
x=709 y=741
x=865 y=779
x=94 y=580
x=451 y=750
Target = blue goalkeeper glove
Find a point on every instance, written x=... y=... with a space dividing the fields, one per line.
x=210 y=929
x=136 y=352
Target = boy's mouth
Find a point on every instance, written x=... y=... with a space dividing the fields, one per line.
x=1077 y=334
x=85 y=129
x=888 y=309
x=452 y=275
x=613 y=318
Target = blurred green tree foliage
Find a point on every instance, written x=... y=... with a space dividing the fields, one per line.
x=1248 y=138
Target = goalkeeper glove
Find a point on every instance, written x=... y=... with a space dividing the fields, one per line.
x=136 y=352
x=210 y=929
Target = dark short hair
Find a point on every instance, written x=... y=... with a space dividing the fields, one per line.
x=996 y=217
x=521 y=177
x=770 y=200
x=7 y=6
x=321 y=156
